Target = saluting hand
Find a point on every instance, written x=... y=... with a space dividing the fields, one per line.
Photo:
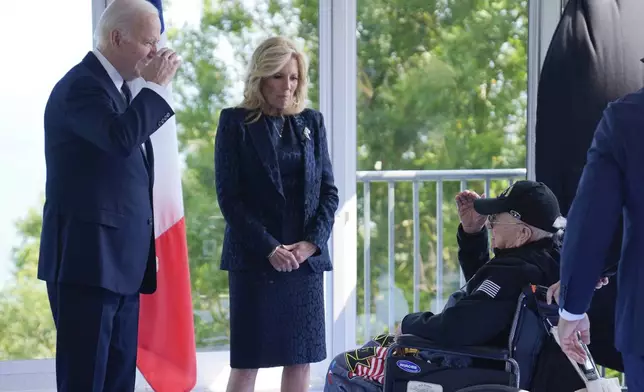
x=162 y=68
x=471 y=220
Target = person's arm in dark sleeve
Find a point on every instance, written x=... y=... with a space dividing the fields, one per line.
x=319 y=228
x=612 y=259
x=610 y=271
x=473 y=321
x=227 y=183
x=473 y=251
x=593 y=218
x=91 y=115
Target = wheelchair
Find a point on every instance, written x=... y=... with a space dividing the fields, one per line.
x=436 y=368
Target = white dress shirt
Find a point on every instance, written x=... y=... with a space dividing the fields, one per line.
x=569 y=316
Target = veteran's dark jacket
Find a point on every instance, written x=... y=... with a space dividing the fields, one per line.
x=249 y=189
x=484 y=315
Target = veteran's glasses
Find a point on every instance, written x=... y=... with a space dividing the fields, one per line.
x=492 y=221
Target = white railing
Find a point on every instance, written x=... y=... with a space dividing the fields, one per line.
x=39 y=374
x=416 y=177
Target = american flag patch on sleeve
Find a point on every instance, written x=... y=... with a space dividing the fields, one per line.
x=488 y=287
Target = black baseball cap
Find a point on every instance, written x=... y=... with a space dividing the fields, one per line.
x=529 y=201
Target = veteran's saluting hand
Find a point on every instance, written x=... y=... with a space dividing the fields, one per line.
x=471 y=220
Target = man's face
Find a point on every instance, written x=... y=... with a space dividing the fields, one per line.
x=139 y=47
x=507 y=231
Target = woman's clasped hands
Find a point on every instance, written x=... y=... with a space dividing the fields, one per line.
x=287 y=258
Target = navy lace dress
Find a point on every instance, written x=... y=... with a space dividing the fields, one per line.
x=277 y=318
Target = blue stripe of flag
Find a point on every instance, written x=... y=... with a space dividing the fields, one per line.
x=157 y=3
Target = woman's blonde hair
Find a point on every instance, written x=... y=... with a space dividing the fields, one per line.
x=267 y=60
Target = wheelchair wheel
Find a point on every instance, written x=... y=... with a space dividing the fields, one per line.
x=489 y=388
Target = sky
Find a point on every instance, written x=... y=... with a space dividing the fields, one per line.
x=41 y=49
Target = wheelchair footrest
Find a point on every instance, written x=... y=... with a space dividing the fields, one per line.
x=400 y=370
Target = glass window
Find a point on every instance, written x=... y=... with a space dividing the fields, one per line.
x=441 y=85
x=35 y=63
x=215 y=44
x=216 y=48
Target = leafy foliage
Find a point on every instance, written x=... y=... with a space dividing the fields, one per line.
x=26 y=326
x=441 y=85
x=442 y=82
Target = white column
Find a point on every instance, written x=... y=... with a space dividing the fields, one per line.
x=338 y=89
x=98 y=6
x=543 y=17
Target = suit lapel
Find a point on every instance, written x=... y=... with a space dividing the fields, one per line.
x=92 y=62
x=261 y=138
x=303 y=133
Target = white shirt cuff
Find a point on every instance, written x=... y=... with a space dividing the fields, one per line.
x=569 y=316
x=162 y=91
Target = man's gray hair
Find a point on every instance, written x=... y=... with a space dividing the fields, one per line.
x=120 y=15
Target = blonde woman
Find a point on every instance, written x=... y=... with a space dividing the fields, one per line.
x=275 y=189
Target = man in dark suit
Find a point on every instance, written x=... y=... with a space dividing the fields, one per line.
x=593 y=59
x=612 y=182
x=97 y=244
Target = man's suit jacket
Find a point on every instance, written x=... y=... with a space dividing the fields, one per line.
x=612 y=183
x=97 y=220
x=249 y=189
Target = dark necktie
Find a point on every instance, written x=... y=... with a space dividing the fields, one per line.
x=147 y=150
x=127 y=92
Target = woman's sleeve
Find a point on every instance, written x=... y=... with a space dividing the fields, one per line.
x=227 y=181
x=319 y=228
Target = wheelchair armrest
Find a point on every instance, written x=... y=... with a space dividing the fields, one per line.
x=494 y=353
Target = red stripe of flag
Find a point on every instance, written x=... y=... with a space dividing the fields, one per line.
x=166 y=352
x=166 y=347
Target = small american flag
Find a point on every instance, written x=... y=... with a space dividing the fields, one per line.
x=490 y=288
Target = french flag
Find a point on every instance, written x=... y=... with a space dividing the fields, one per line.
x=166 y=347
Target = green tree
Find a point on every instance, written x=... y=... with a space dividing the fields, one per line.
x=204 y=86
x=441 y=85
x=26 y=326
x=443 y=82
